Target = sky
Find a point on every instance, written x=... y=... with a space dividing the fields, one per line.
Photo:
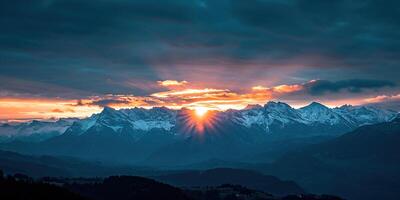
x=70 y=58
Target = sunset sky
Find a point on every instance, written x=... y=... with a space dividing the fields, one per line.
x=70 y=58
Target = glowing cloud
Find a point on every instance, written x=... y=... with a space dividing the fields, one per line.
x=279 y=88
x=200 y=100
x=26 y=109
x=287 y=88
x=382 y=98
x=187 y=92
x=259 y=87
x=168 y=83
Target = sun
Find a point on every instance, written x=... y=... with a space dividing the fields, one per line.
x=200 y=111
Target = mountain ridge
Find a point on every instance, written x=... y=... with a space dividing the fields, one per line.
x=164 y=137
x=264 y=117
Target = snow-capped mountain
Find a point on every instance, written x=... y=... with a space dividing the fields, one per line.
x=365 y=114
x=271 y=118
x=318 y=113
x=315 y=117
x=161 y=136
x=136 y=119
x=272 y=114
x=35 y=130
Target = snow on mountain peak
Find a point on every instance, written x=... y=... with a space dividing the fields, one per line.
x=362 y=115
x=318 y=113
x=277 y=105
x=139 y=119
x=270 y=117
x=281 y=112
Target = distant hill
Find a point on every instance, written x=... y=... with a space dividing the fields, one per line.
x=363 y=164
x=128 y=188
x=247 y=178
x=23 y=187
x=39 y=166
x=12 y=163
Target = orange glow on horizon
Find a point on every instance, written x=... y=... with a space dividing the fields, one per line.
x=36 y=108
x=202 y=101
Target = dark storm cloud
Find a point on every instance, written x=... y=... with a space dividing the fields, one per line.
x=347 y=30
x=88 y=45
x=320 y=87
x=121 y=47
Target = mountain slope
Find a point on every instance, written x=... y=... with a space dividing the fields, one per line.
x=39 y=166
x=363 y=164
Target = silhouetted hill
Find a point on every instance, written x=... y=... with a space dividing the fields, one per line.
x=128 y=187
x=247 y=178
x=237 y=192
x=12 y=162
x=39 y=166
x=23 y=187
x=363 y=164
x=20 y=187
x=378 y=143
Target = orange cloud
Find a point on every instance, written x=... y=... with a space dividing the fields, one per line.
x=42 y=108
x=57 y=110
x=168 y=83
x=259 y=87
x=288 y=88
x=279 y=88
x=187 y=92
x=382 y=98
x=173 y=97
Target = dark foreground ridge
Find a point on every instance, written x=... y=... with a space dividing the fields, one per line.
x=20 y=186
x=248 y=178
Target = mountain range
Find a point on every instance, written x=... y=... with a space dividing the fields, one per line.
x=166 y=137
x=348 y=151
x=362 y=164
x=34 y=131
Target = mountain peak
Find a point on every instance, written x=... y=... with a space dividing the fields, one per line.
x=35 y=122
x=273 y=104
x=315 y=105
x=396 y=118
x=110 y=116
x=345 y=106
x=107 y=110
x=252 y=106
x=5 y=125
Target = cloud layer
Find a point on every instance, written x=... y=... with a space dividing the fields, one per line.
x=72 y=49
